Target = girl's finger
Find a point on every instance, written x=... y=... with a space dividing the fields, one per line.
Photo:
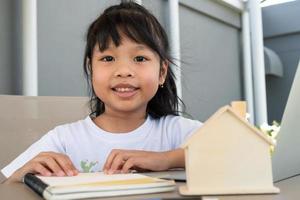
x=116 y=172
x=109 y=160
x=40 y=169
x=66 y=164
x=52 y=164
x=117 y=163
x=130 y=163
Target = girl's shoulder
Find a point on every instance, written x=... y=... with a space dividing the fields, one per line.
x=73 y=127
x=178 y=122
x=177 y=118
x=176 y=129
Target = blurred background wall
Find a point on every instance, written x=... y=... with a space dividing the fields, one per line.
x=6 y=50
x=209 y=37
x=281 y=28
x=210 y=40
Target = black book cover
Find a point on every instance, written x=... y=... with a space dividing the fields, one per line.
x=35 y=183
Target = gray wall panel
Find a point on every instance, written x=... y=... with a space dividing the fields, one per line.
x=282 y=35
x=215 y=10
x=278 y=88
x=17 y=48
x=6 y=53
x=211 y=67
x=281 y=19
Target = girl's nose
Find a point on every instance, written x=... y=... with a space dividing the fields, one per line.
x=124 y=70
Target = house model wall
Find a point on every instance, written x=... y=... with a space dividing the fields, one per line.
x=227 y=155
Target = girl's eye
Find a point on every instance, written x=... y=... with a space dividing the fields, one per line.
x=107 y=59
x=140 y=59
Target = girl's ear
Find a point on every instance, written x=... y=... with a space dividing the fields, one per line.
x=163 y=72
x=87 y=62
x=89 y=66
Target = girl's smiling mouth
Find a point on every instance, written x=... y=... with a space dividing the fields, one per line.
x=125 y=90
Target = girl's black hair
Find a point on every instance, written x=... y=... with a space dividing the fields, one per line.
x=138 y=24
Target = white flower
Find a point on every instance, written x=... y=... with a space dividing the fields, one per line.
x=271 y=131
x=265 y=127
x=248 y=116
x=275 y=128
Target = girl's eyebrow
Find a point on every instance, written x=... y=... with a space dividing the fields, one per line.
x=135 y=47
x=138 y=47
x=141 y=47
x=144 y=47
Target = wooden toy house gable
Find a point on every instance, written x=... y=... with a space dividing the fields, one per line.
x=227 y=155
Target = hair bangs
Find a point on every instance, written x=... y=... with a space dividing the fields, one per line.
x=132 y=25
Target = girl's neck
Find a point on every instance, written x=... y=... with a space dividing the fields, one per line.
x=119 y=123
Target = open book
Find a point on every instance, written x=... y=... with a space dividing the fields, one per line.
x=87 y=185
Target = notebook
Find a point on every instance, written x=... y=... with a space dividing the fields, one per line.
x=173 y=174
x=88 y=185
x=286 y=157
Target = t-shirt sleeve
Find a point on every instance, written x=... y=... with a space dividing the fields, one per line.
x=181 y=129
x=52 y=141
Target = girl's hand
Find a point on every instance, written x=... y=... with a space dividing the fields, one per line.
x=122 y=161
x=45 y=164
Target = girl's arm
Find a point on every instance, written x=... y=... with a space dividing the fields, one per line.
x=122 y=161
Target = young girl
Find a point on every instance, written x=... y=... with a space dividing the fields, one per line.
x=134 y=122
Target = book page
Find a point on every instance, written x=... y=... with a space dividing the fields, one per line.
x=98 y=178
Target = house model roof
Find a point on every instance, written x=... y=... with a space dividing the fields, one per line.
x=229 y=110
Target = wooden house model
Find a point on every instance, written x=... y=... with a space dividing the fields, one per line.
x=228 y=155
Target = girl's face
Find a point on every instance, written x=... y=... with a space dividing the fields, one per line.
x=126 y=77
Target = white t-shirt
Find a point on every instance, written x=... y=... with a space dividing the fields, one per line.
x=88 y=146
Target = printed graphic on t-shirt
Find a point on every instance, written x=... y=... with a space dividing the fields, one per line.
x=87 y=166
